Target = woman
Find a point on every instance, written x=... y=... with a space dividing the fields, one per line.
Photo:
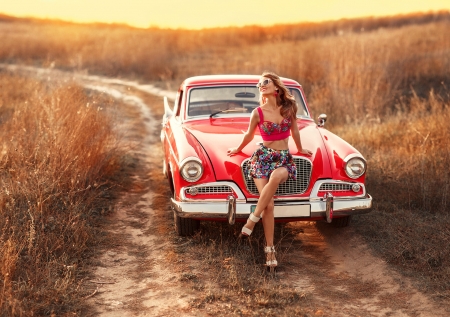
x=271 y=164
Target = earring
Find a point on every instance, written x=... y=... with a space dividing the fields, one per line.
x=276 y=93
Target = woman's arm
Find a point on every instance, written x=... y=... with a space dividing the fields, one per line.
x=248 y=136
x=295 y=133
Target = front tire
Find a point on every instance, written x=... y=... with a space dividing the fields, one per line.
x=185 y=226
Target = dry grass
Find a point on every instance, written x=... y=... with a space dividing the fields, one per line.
x=408 y=157
x=357 y=67
x=382 y=82
x=230 y=277
x=57 y=163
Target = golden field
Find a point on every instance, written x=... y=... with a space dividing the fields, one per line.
x=384 y=84
x=58 y=164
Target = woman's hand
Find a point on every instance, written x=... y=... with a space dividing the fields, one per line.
x=305 y=151
x=232 y=151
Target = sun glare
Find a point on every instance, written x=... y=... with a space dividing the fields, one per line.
x=196 y=14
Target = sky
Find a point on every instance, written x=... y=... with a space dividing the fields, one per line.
x=197 y=14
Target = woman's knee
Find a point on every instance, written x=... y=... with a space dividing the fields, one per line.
x=280 y=175
x=270 y=206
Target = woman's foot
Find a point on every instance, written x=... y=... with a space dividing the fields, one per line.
x=246 y=229
x=271 y=261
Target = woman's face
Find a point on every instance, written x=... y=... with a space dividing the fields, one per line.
x=266 y=86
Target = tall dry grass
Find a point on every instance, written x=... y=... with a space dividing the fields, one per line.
x=351 y=69
x=409 y=157
x=58 y=160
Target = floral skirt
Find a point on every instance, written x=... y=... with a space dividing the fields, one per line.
x=265 y=160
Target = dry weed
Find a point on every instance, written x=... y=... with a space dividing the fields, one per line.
x=352 y=69
x=58 y=160
x=408 y=158
x=231 y=277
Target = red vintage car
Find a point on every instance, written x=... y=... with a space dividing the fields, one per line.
x=210 y=115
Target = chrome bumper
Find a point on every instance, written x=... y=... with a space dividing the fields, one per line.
x=318 y=205
x=319 y=208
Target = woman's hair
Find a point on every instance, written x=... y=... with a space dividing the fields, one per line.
x=284 y=98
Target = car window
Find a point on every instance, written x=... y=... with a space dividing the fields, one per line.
x=229 y=99
x=301 y=112
x=240 y=100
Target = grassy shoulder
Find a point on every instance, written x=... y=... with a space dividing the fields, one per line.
x=59 y=167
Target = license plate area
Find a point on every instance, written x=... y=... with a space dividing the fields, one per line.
x=289 y=211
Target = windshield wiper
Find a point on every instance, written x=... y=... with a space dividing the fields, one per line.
x=217 y=112
x=228 y=110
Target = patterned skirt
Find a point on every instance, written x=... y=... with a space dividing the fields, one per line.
x=265 y=160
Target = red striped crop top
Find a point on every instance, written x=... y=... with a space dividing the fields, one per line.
x=271 y=131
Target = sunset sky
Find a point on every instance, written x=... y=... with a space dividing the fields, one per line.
x=196 y=14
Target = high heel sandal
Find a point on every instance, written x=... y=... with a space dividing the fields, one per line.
x=246 y=231
x=270 y=253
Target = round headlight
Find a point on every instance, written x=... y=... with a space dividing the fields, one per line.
x=355 y=167
x=191 y=169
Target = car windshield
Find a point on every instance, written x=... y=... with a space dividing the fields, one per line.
x=241 y=100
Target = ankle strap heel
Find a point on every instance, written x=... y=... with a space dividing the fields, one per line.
x=246 y=231
x=270 y=253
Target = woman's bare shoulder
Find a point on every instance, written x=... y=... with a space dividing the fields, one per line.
x=255 y=115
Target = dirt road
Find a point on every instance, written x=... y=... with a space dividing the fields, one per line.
x=147 y=270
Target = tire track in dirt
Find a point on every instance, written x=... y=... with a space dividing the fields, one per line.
x=146 y=282
x=139 y=274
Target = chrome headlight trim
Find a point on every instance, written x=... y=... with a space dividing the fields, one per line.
x=191 y=169
x=354 y=165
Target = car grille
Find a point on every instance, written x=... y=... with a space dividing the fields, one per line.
x=212 y=190
x=290 y=187
x=334 y=187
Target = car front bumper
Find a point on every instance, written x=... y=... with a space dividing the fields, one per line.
x=327 y=206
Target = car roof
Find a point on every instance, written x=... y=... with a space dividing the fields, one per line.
x=230 y=79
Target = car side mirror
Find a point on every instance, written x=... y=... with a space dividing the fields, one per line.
x=322 y=119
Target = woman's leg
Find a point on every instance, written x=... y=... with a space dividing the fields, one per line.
x=266 y=203
x=267 y=190
x=268 y=219
x=278 y=176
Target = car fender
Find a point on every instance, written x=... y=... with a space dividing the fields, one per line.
x=179 y=145
x=338 y=150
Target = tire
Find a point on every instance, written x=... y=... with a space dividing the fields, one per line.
x=185 y=226
x=341 y=222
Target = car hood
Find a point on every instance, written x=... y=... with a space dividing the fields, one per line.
x=216 y=136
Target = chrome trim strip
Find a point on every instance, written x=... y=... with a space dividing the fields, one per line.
x=281 y=198
x=315 y=191
x=235 y=188
x=350 y=156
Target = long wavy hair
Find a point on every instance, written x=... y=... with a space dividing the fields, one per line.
x=284 y=98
